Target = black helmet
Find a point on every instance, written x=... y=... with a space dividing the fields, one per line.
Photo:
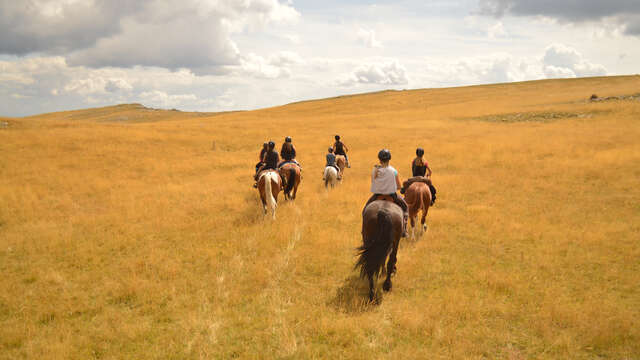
x=287 y=139
x=384 y=155
x=419 y=151
x=337 y=137
x=330 y=149
x=272 y=145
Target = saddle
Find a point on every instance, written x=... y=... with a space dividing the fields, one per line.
x=422 y=179
x=408 y=182
x=385 y=198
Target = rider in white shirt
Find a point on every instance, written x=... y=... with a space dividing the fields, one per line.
x=385 y=181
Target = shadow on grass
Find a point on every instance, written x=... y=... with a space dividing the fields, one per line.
x=353 y=296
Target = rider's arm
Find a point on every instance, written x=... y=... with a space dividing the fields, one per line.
x=413 y=167
x=428 y=169
x=398 y=182
x=346 y=149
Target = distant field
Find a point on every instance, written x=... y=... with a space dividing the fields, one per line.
x=127 y=232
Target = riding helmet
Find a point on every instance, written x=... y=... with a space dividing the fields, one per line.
x=384 y=155
x=337 y=137
x=330 y=149
x=419 y=151
x=287 y=139
x=272 y=145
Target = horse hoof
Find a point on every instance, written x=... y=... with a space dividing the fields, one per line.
x=387 y=285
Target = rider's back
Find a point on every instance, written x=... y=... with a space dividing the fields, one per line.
x=331 y=159
x=288 y=151
x=383 y=180
x=271 y=160
x=419 y=167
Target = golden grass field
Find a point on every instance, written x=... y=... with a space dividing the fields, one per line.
x=132 y=233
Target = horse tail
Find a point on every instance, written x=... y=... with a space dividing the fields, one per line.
x=291 y=181
x=374 y=251
x=271 y=202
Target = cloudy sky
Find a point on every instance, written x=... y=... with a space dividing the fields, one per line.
x=214 y=55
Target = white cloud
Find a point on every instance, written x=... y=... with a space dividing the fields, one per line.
x=368 y=38
x=277 y=65
x=564 y=61
x=496 y=30
x=173 y=34
x=157 y=98
x=380 y=73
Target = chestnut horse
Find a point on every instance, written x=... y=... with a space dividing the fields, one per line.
x=290 y=173
x=341 y=161
x=269 y=187
x=418 y=197
x=381 y=231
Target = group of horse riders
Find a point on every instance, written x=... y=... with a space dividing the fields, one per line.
x=269 y=159
x=385 y=181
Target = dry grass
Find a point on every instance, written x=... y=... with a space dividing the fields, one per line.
x=132 y=239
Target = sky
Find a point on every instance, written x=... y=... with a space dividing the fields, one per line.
x=220 y=55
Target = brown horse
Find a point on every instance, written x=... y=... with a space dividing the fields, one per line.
x=381 y=230
x=269 y=187
x=290 y=173
x=341 y=161
x=418 y=197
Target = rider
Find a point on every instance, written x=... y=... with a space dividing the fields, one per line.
x=270 y=160
x=331 y=161
x=341 y=149
x=419 y=168
x=288 y=153
x=385 y=181
x=262 y=152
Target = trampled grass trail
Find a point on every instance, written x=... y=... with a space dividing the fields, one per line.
x=143 y=238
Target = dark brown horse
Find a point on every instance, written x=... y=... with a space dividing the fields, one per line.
x=290 y=173
x=269 y=187
x=418 y=197
x=381 y=231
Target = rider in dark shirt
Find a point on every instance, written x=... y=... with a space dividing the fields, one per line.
x=288 y=153
x=341 y=149
x=269 y=160
x=420 y=167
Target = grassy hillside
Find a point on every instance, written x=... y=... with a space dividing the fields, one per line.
x=131 y=238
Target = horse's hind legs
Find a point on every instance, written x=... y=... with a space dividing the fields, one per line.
x=371 y=292
x=391 y=268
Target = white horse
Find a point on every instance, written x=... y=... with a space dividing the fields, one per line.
x=330 y=176
x=269 y=187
